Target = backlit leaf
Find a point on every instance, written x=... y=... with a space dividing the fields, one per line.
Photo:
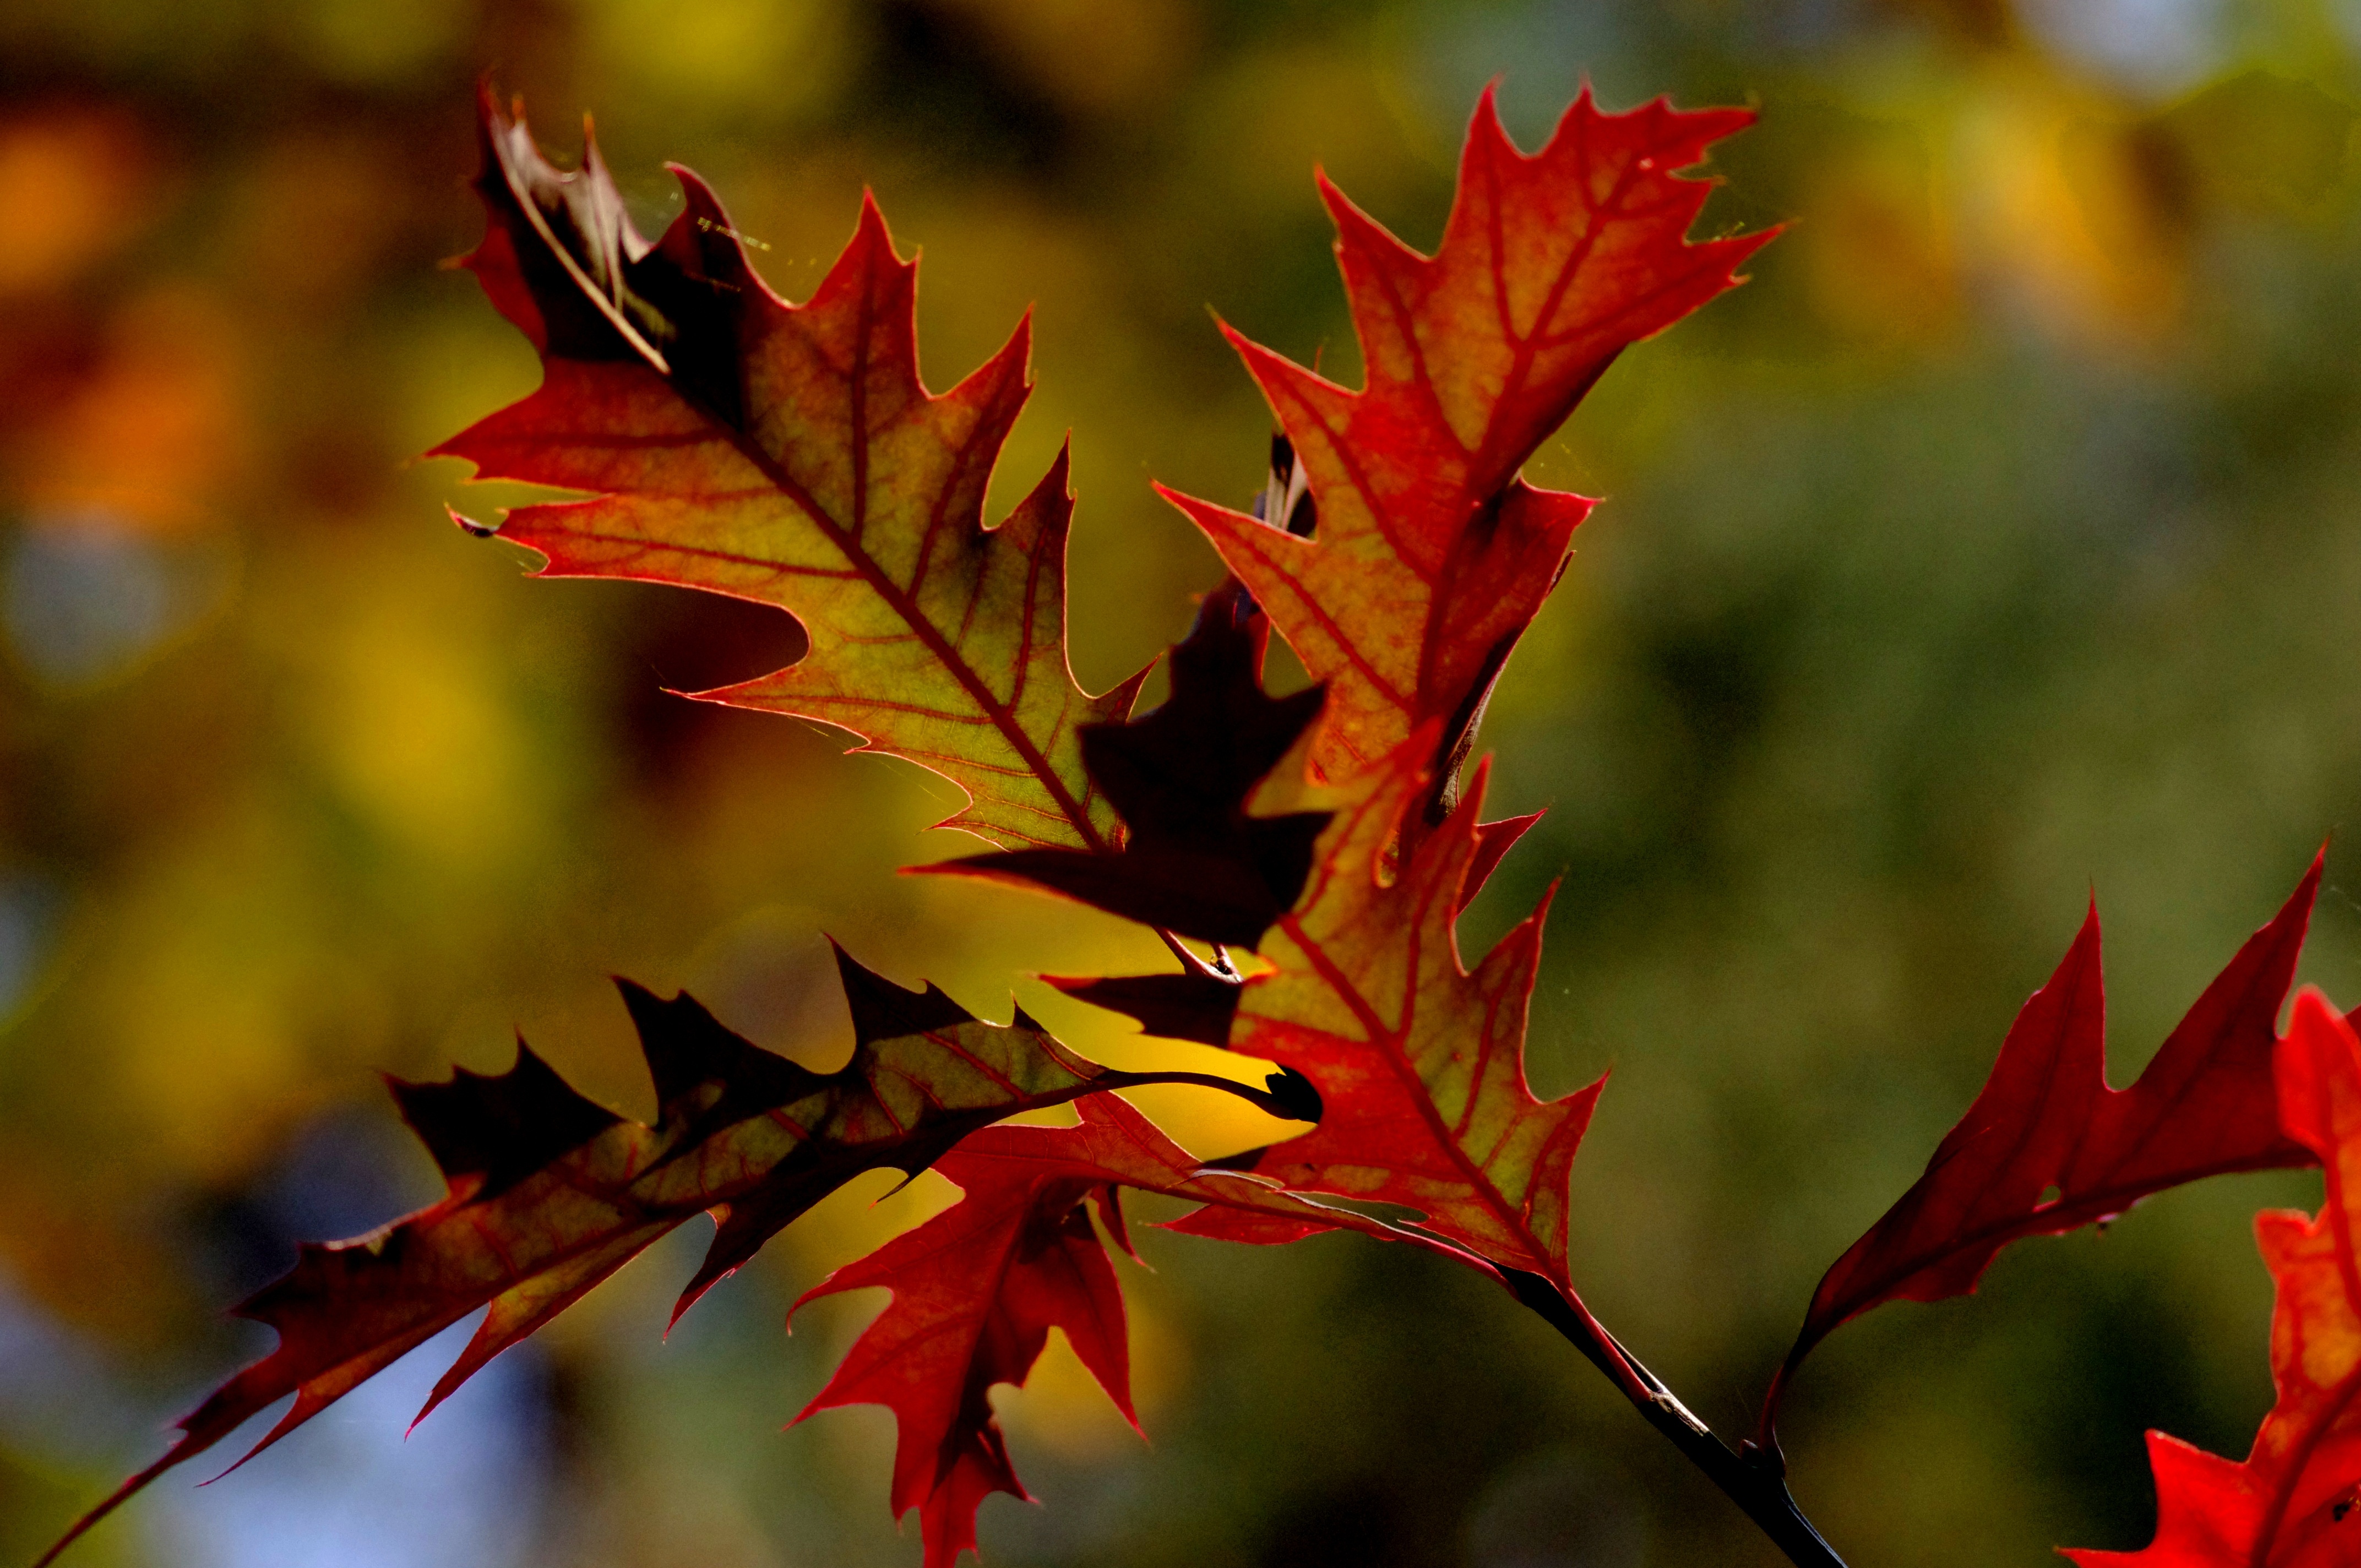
x=789 y=455
x=977 y=1288
x=1419 y=1061
x=1430 y=555
x=2048 y=1148
x=548 y=1194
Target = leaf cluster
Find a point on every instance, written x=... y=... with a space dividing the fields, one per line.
x=719 y=438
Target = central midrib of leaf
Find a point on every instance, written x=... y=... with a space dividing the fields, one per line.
x=641 y=1213
x=1440 y=586
x=2092 y=1201
x=848 y=543
x=1519 y=375
x=1389 y=1041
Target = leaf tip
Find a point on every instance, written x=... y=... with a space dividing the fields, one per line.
x=884 y=1011
x=871 y=229
x=2294 y=918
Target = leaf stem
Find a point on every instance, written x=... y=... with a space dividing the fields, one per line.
x=1754 y=1478
x=1190 y=961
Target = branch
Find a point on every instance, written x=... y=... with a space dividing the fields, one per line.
x=1754 y=1478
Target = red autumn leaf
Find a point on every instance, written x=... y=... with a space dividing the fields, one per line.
x=2292 y=1504
x=1430 y=555
x=1192 y=860
x=977 y=1288
x=976 y=1291
x=789 y=455
x=547 y=1194
x=2048 y=1147
x=1419 y=1061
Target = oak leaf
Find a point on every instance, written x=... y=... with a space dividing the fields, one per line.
x=1430 y=555
x=547 y=1193
x=977 y=1288
x=976 y=1291
x=1418 y=1062
x=2048 y=1147
x=789 y=455
x=2292 y=1503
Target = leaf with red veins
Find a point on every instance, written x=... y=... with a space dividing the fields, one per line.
x=976 y=1291
x=1115 y=1146
x=2292 y=1504
x=547 y=1193
x=1420 y=1062
x=789 y=455
x=977 y=1288
x=1431 y=555
x=2048 y=1147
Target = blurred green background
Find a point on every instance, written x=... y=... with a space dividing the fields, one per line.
x=1997 y=543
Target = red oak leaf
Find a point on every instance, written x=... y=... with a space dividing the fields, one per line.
x=1419 y=1061
x=2292 y=1503
x=977 y=1288
x=1430 y=555
x=548 y=1193
x=976 y=1291
x=789 y=455
x=2048 y=1147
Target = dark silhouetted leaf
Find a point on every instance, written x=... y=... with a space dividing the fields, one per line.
x=1192 y=860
